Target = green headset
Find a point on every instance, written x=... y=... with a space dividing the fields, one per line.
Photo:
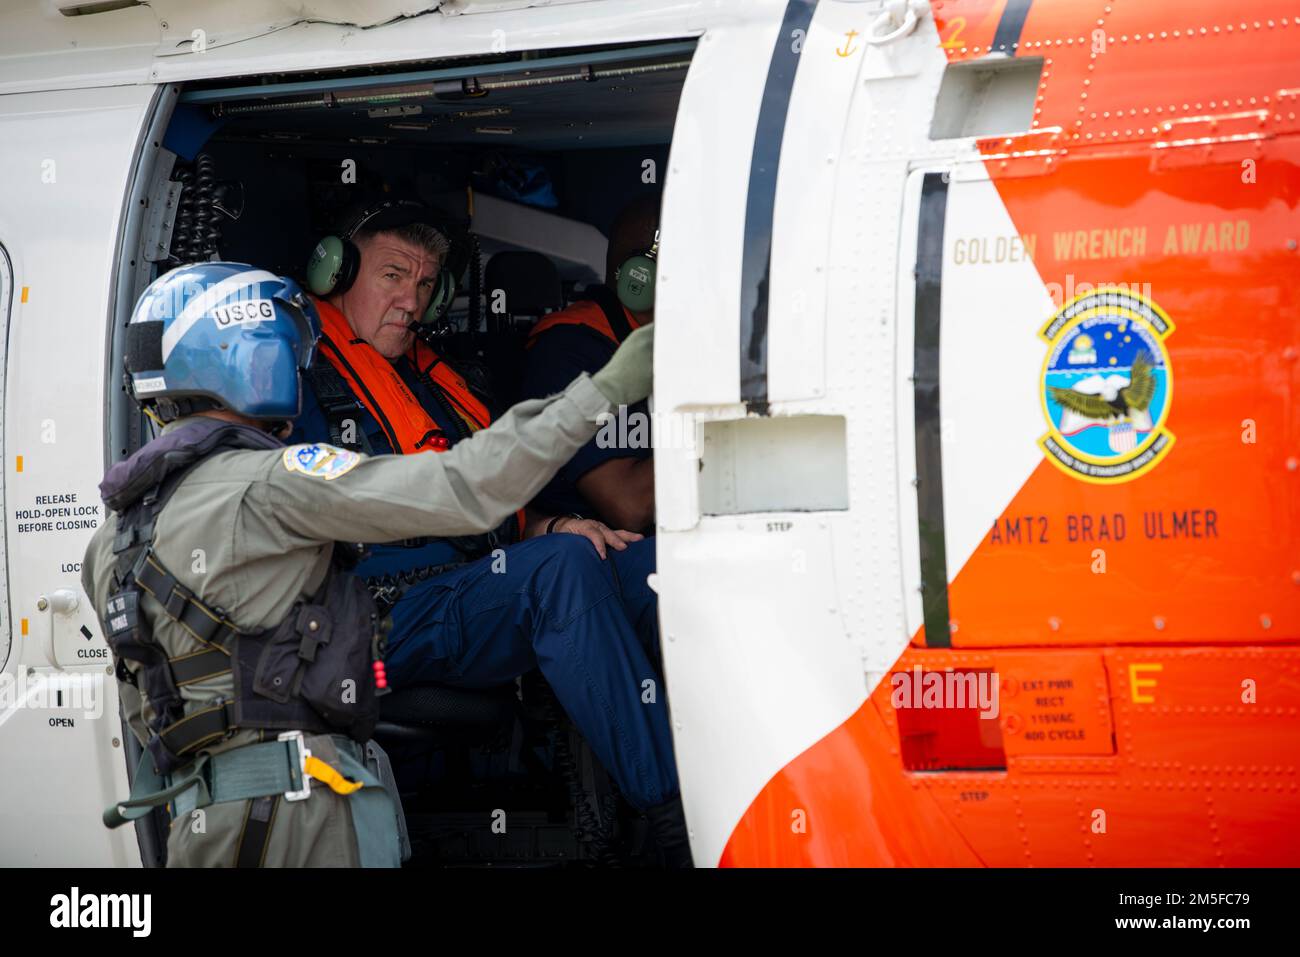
x=634 y=279
x=334 y=263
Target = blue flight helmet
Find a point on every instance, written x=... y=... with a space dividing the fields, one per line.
x=219 y=335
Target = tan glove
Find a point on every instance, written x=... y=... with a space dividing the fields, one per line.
x=629 y=375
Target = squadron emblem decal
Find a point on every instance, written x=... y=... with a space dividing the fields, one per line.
x=320 y=460
x=1106 y=386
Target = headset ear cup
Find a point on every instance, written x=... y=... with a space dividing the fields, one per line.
x=444 y=291
x=350 y=266
x=635 y=282
x=323 y=265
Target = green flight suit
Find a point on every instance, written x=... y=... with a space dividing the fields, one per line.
x=251 y=531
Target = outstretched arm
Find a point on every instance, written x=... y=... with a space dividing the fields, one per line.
x=466 y=490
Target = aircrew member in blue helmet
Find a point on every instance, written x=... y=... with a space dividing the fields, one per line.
x=248 y=657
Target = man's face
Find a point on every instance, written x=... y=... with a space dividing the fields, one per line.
x=392 y=290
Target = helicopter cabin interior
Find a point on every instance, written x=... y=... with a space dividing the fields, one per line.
x=528 y=154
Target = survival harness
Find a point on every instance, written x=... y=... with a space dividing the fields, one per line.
x=339 y=406
x=286 y=678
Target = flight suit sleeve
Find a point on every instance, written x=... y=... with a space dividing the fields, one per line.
x=320 y=494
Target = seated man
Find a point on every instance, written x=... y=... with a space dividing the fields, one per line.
x=566 y=595
x=611 y=481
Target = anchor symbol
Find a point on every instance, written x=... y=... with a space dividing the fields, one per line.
x=849 y=48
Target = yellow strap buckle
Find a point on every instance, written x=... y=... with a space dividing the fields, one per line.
x=318 y=769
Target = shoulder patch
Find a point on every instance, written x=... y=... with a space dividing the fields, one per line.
x=320 y=460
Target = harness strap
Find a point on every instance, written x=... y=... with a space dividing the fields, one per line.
x=199 y=728
x=199 y=666
x=149 y=790
x=253 y=771
x=338 y=404
x=206 y=624
x=441 y=378
x=255 y=834
x=257 y=770
x=610 y=305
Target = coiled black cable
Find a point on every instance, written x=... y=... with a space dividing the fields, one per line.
x=208 y=231
x=388 y=589
x=412 y=575
x=184 y=223
x=588 y=826
x=196 y=235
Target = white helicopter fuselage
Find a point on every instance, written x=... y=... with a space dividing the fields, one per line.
x=799 y=369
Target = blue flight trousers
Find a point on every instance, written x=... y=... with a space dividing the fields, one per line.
x=590 y=625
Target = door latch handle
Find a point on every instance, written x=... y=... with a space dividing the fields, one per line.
x=61 y=601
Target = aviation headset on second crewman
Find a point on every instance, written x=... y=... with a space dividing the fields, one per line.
x=335 y=261
x=634 y=279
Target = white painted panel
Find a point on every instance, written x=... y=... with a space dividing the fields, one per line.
x=990 y=417
x=781 y=464
x=63 y=176
x=763 y=636
x=759 y=666
x=990 y=362
x=697 y=294
x=905 y=396
x=810 y=154
x=6 y=310
x=59 y=769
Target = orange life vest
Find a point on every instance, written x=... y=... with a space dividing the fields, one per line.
x=582 y=313
x=375 y=382
x=377 y=385
x=454 y=387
